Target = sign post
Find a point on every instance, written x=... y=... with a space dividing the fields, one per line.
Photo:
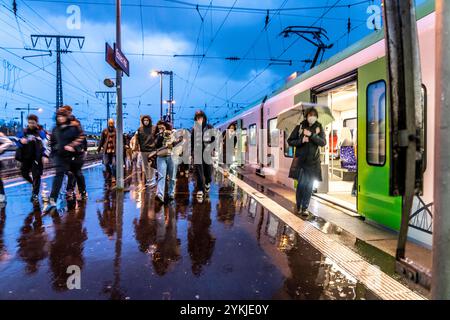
x=117 y=60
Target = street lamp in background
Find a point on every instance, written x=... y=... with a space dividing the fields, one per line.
x=28 y=109
x=155 y=73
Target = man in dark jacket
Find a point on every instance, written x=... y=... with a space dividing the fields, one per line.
x=199 y=142
x=66 y=145
x=71 y=180
x=145 y=138
x=307 y=138
x=34 y=154
x=108 y=144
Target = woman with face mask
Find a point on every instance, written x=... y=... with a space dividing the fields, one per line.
x=307 y=138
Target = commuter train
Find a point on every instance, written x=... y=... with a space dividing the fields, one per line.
x=353 y=84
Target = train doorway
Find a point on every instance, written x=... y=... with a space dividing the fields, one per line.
x=340 y=154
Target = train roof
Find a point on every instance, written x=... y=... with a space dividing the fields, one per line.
x=422 y=11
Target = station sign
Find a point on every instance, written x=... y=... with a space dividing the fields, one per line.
x=121 y=61
x=116 y=59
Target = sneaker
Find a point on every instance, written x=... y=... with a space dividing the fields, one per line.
x=199 y=194
x=2 y=199
x=171 y=196
x=304 y=212
x=34 y=198
x=207 y=187
x=84 y=195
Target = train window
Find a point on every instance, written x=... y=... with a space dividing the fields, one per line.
x=288 y=150
x=376 y=123
x=273 y=134
x=252 y=132
x=244 y=140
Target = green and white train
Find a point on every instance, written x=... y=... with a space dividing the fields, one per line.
x=353 y=84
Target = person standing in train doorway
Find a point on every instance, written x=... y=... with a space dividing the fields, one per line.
x=307 y=138
x=202 y=161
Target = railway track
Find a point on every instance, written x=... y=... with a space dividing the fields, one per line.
x=7 y=173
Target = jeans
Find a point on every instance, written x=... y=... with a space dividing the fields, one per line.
x=149 y=171
x=64 y=165
x=202 y=175
x=166 y=167
x=109 y=161
x=36 y=168
x=304 y=189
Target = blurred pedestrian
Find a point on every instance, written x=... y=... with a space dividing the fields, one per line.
x=33 y=152
x=4 y=145
x=199 y=142
x=66 y=145
x=108 y=144
x=166 y=167
x=145 y=138
x=71 y=180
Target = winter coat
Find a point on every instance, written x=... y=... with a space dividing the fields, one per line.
x=307 y=155
x=106 y=133
x=146 y=136
x=68 y=134
x=36 y=147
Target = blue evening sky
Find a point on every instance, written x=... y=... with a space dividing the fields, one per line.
x=153 y=32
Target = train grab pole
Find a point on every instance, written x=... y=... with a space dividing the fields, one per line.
x=440 y=283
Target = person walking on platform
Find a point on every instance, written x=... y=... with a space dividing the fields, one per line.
x=33 y=152
x=307 y=138
x=166 y=166
x=4 y=145
x=199 y=142
x=71 y=180
x=145 y=138
x=108 y=144
x=66 y=145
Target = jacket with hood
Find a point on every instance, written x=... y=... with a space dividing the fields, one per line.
x=67 y=134
x=145 y=136
x=199 y=140
x=37 y=146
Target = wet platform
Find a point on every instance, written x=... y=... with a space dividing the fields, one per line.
x=360 y=235
x=128 y=245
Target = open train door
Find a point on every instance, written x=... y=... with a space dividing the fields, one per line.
x=375 y=201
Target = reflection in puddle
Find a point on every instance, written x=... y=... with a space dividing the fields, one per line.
x=128 y=246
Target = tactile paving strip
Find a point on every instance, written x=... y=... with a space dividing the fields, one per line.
x=370 y=275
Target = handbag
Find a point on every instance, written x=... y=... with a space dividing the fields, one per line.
x=295 y=165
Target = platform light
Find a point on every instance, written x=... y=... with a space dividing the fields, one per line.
x=154 y=73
